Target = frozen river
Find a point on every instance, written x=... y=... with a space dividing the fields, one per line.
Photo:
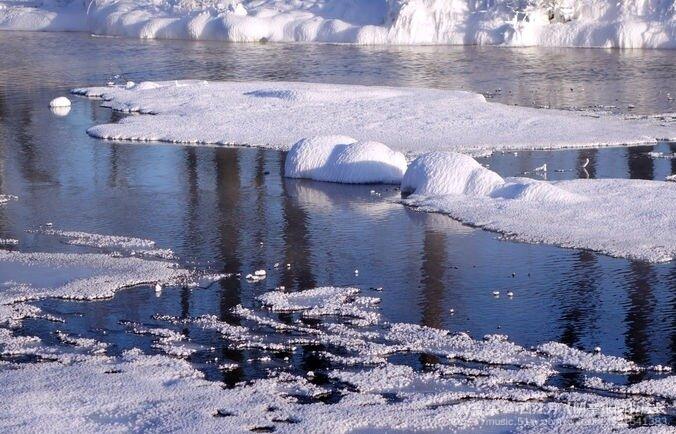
x=230 y=210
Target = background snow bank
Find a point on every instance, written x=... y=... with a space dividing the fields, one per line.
x=415 y=120
x=343 y=159
x=619 y=217
x=599 y=23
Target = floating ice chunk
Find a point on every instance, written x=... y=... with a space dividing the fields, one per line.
x=671 y=178
x=8 y=242
x=443 y=173
x=260 y=273
x=61 y=101
x=343 y=159
x=5 y=198
x=542 y=168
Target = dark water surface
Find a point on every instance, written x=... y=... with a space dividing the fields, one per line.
x=230 y=210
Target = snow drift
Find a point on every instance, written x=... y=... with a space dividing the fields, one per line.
x=343 y=159
x=584 y=23
x=619 y=217
x=410 y=120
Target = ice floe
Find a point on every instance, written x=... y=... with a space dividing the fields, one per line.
x=344 y=160
x=619 y=217
x=588 y=23
x=408 y=120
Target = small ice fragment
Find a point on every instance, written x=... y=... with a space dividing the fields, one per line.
x=61 y=101
x=158 y=287
x=130 y=84
x=356 y=272
x=597 y=349
x=451 y=311
x=260 y=273
x=310 y=373
x=276 y=264
x=288 y=265
x=496 y=293
x=671 y=178
x=49 y=224
x=542 y=168
x=586 y=163
x=110 y=84
x=510 y=294
x=281 y=288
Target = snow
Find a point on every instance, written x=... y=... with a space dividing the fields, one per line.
x=344 y=160
x=61 y=101
x=80 y=389
x=408 y=120
x=619 y=217
x=137 y=392
x=584 y=23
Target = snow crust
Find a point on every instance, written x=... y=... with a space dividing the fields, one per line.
x=344 y=160
x=502 y=381
x=580 y=23
x=619 y=217
x=408 y=120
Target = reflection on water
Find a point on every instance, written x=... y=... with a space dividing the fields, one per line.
x=231 y=210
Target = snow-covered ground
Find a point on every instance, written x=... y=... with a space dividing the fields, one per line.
x=409 y=120
x=581 y=23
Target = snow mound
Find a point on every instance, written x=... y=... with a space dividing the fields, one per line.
x=587 y=23
x=619 y=217
x=61 y=101
x=408 y=120
x=343 y=159
x=440 y=173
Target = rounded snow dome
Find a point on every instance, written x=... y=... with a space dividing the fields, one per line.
x=443 y=173
x=61 y=101
x=345 y=160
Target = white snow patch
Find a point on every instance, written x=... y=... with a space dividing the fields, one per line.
x=408 y=120
x=344 y=160
x=61 y=101
x=619 y=217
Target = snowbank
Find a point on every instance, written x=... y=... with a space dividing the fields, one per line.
x=412 y=120
x=344 y=160
x=585 y=23
x=619 y=217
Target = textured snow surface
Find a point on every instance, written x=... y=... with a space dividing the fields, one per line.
x=587 y=23
x=343 y=159
x=87 y=391
x=619 y=217
x=410 y=120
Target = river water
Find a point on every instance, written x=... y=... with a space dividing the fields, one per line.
x=230 y=209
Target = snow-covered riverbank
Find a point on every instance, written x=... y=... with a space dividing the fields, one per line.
x=571 y=23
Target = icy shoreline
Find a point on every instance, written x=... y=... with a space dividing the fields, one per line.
x=472 y=383
x=569 y=23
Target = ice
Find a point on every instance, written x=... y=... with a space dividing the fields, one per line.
x=6 y=198
x=618 y=217
x=32 y=276
x=61 y=101
x=585 y=23
x=408 y=120
x=344 y=160
x=136 y=392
